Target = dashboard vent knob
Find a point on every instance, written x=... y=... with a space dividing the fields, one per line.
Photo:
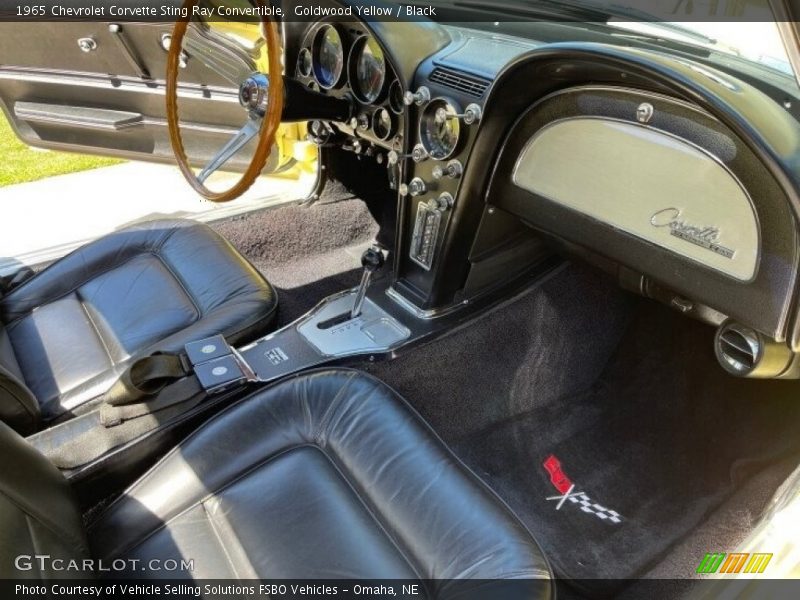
x=738 y=349
x=746 y=353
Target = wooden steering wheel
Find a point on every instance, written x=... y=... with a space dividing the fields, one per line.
x=260 y=94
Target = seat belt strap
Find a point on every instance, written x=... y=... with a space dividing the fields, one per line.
x=9 y=282
x=180 y=392
x=146 y=378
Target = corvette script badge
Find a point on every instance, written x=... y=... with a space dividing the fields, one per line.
x=566 y=489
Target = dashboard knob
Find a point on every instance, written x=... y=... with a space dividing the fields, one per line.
x=445 y=202
x=318 y=133
x=473 y=114
x=453 y=170
x=419 y=154
x=417 y=187
x=420 y=97
x=363 y=121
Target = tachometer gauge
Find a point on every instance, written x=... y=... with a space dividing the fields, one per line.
x=328 y=57
x=440 y=129
x=367 y=69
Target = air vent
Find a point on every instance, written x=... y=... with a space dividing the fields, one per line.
x=738 y=349
x=472 y=86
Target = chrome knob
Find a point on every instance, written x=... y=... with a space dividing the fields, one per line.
x=473 y=114
x=419 y=154
x=445 y=202
x=453 y=170
x=417 y=187
x=420 y=97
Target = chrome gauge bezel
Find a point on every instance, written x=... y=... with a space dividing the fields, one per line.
x=352 y=71
x=392 y=124
x=315 y=49
x=396 y=102
x=305 y=53
x=427 y=120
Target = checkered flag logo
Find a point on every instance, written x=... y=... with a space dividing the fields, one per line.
x=583 y=502
x=601 y=512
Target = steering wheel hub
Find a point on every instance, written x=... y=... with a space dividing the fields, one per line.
x=254 y=94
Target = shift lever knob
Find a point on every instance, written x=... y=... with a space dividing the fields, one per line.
x=373 y=262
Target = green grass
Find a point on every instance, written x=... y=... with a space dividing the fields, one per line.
x=19 y=163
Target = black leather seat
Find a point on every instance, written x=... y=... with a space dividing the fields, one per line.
x=327 y=476
x=69 y=332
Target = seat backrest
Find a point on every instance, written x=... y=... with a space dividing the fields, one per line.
x=18 y=406
x=38 y=514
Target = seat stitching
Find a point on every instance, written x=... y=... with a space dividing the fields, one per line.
x=198 y=313
x=63 y=535
x=34 y=543
x=20 y=401
x=242 y=475
x=469 y=472
x=327 y=416
x=212 y=524
x=538 y=573
x=402 y=551
x=72 y=290
x=97 y=332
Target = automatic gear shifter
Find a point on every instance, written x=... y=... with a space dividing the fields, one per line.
x=373 y=261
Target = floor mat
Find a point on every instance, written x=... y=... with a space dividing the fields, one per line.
x=306 y=252
x=660 y=440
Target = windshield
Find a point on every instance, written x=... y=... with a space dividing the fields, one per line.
x=758 y=42
x=745 y=28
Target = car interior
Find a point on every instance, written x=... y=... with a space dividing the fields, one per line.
x=537 y=321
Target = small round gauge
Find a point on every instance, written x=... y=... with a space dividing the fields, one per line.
x=328 y=57
x=305 y=62
x=396 y=97
x=383 y=124
x=367 y=69
x=440 y=129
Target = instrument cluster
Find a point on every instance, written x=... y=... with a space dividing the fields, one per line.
x=345 y=60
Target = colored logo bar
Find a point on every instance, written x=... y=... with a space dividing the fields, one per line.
x=732 y=564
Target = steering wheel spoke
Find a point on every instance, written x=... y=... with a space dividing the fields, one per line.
x=250 y=130
x=215 y=56
x=261 y=95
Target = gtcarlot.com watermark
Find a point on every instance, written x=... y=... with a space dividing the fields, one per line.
x=47 y=563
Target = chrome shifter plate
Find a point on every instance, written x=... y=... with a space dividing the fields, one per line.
x=374 y=331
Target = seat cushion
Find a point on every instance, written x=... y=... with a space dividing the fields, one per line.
x=77 y=325
x=328 y=476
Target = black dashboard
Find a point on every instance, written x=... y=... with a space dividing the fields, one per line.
x=679 y=178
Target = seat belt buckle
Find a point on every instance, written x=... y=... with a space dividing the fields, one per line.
x=220 y=375
x=206 y=350
x=217 y=365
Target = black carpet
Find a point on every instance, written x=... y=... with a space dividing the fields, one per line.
x=656 y=439
x=306 y=252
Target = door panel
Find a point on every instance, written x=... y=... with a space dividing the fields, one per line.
x=110 y=99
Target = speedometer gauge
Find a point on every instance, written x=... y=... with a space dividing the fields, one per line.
x=328 y=57
x=440 y=129
x=367 y=69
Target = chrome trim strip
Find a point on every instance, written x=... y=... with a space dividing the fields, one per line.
x=93 y=80
x=426 y=315
x=144 y=122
